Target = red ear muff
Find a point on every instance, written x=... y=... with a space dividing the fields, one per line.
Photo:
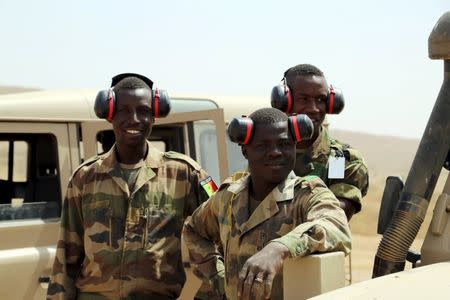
x=105 y=104
x=301 y=127
x=335 y=101
x=111 y=104
x=156 y=104
x=281 y=98
x=160 y=103
x=240 y=130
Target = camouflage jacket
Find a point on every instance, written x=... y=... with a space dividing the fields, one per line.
x=314 y=161
x=300 y=212
x=121 y=244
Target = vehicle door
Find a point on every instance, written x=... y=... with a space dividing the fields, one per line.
x=36 y=160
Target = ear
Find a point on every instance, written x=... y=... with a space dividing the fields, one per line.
x=244 y=151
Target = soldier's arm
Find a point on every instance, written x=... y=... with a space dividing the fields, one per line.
x=201 y=235
x=355 y=184
x=326 y=227
x=69 y=249
x=201 y=189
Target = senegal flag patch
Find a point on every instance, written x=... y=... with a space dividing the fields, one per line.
x=209 y=186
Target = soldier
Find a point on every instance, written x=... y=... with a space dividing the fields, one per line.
x=124 y=210
x=262 y=217
x=341 y=167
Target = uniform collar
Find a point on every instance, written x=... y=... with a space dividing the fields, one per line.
x=267 y=208
x=154 y=158
x=282 y=192
x=110 y=165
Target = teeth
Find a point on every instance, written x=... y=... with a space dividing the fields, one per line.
x=133 y=131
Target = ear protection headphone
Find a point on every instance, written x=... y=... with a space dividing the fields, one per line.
x=241 y=130
x=281 y=98
x=106 y=100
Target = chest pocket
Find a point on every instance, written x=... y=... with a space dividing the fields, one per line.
x=97 y=221
x=158 y=214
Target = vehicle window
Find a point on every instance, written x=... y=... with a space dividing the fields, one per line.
x=4 y=151
x=206 y=143
x=236 y=161
x=206 y=148
x=20 y=161
x=105 y=140
x=31 y=187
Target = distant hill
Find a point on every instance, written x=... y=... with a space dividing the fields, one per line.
x=15 y=89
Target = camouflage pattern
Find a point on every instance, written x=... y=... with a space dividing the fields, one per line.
x=120 y=244
x=300 y=213
x=314 y=161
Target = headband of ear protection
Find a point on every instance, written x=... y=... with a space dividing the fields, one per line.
x=241 y=130
x=106 y=100
x=281 y=98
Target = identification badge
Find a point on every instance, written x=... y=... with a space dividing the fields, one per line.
x=209 y=186
x=336 y=167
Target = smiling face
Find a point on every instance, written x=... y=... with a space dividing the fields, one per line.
x=310 y=94
x=132 y=121
x=270 y=153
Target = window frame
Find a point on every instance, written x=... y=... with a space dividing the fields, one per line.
x=65 y=162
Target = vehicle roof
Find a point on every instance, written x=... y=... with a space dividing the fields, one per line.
x=76 y=105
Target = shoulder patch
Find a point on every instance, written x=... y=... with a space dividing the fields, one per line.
x=183 y=157
x=208 y=185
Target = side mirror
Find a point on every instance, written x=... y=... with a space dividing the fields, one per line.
x=391 y=196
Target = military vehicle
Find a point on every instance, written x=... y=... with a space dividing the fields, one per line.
x=404 y=206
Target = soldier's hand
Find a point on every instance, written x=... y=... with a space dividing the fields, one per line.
x=258 y=272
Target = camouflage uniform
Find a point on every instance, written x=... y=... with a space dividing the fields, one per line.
x=300 y=213
x=121 y=244
x=314 y=161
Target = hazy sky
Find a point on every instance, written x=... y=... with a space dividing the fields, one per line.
x=375 y=51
